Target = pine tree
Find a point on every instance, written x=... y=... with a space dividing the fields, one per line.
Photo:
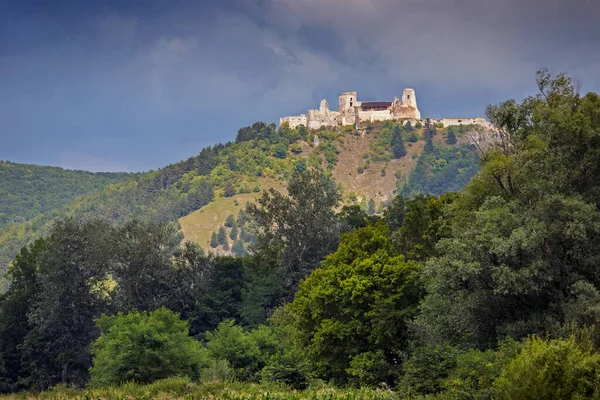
x=241 y=219
x=371 y=207
x=230 y=221
x=428 y=149
x=451 y=138
x=397 y=143
x=222 y=236
x=226 y=245
x=233 y=235
x=239 y=249
x=213 y=240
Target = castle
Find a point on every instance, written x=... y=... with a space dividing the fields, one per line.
x=353 y=112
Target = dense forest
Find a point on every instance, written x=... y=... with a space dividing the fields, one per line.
x=30 y=190
x=491 y=292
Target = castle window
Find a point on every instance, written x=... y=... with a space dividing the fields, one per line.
x=408 y=97
x=350 y=98
x=350 y=104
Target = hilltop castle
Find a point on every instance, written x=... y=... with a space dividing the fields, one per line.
x=353 y=112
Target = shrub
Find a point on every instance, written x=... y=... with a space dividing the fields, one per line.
x=144 y=347
x=229 y=342
x=426 y=369
x=552 y=369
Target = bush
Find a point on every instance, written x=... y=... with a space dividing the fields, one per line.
x=144 y=347
x=427 y=368
x=552 y=369
x=229 y=342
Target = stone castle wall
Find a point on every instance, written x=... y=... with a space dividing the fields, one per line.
x=350 y=112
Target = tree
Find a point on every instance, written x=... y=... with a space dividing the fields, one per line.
x=72 y=277
x=233 y=235
x=239 y=249
x=352 y=314
x=230 y=221
x=428 y=149
x=299 y=230
x=397 y=143
x=371 y=207
x=513 y=263
x=221 y=236
x=551 y=369
x=214 y=242
x=15 y=307
x=451 y=137
x=144 y=347
x=229 y=190
x=241 y=219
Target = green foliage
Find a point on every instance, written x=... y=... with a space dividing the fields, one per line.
x=445 y=170
x=31 y=190
x=552 y=369
x=397 y=143
x=221 y=236
x=352 y=313
x=144 y=347
x=330 y=152
x=299 y=230
x=230 y=221
x=427 y=368
x=230 y=343
x=214 y=241
x=451 y=137
x=233 y=234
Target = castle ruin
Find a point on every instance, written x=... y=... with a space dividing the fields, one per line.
x=353 y=112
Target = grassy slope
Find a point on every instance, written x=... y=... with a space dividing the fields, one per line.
x=199 y=225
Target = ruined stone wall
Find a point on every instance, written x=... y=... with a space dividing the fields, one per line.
x=374 y=115
x=463 y=121
x=346 y=104
x=294 y=121
x=319 y=118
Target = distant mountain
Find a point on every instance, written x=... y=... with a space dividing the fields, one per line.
x=27 y=191
x=362 y=162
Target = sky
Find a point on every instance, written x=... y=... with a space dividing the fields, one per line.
x=134 y=85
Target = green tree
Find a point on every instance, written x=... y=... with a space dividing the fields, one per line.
x=221 y=236
x=229 y=342
x=230 y=221
x=513 y=261
x=451 y=137
x=299 y=230
x=239 y=249
x=352 y=314
x=428 y=149
x=371 y=207
x=397 y=143
x=15 y=307
x=214 y=242
x=72 y=279
x=144 y=347
x=551 y=369
x=233 y=234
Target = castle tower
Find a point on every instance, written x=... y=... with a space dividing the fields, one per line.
x=409 y=98
x=347 y=102
x=324 y=106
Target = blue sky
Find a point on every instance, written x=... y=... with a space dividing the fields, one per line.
x=135 y=85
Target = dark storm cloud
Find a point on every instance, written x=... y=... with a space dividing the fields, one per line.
x=144 y=83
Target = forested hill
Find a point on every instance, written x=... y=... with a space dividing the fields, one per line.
x=27 y=191
x=371 y=166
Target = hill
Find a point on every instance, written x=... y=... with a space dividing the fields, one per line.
x=262 y=157
x=27 y=191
